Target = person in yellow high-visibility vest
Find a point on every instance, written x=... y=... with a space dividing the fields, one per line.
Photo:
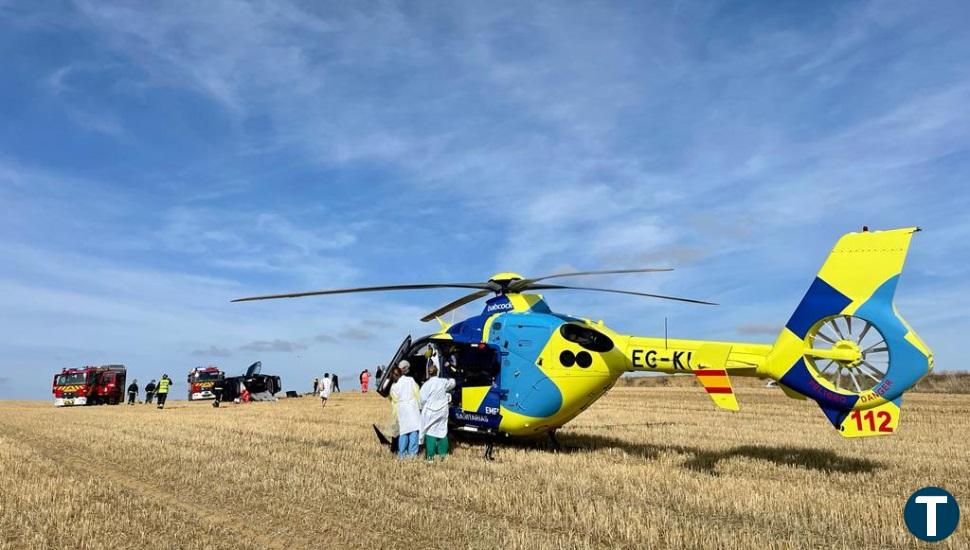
x=161 y=391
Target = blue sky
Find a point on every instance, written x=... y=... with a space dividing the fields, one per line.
x=160 y=159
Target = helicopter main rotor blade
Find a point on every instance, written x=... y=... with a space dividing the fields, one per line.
x=661 y=296
x=466 y=299
x=484 y=286
x=525 y=283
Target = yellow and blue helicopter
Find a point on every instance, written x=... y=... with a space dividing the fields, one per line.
x=523 y=370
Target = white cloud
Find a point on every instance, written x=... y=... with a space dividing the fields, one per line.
x=261 y=241
x=212 y=351
x=262 y=346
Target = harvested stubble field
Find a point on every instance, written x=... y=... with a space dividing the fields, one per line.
x=645 y=467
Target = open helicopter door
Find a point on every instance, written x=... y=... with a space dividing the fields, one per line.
x=384 y=383
x=477 y=396
x=254 y=369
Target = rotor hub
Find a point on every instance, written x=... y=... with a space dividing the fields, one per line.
x=505 y=277
x=502 y=281
x=849 y=347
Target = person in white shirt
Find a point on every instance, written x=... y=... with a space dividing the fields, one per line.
x=325 y=386
x=434 y=360
x=405 y=392
x=434 y=399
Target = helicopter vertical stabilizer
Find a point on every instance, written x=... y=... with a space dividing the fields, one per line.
x=845 y=345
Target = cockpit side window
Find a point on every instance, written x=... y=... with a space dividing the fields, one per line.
x=586 y=337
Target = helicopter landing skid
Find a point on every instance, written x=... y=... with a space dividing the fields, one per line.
x=489 y=449
x=391 y=444
x=556 y=447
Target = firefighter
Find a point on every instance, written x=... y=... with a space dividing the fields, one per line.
x=132 y=392
x=162 y=390
x=364 y=379
x=149 y=392
x=336 y=382
x=217 y=388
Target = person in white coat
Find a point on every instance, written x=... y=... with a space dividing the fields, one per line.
x=434 y=399
x=405 y=392
x=326 y=385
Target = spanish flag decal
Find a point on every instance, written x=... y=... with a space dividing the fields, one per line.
x=710 y=371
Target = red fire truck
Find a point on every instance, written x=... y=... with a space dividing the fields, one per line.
x=89 y=386
x=202 y=380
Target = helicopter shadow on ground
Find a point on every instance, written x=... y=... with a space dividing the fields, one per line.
x=706 y=460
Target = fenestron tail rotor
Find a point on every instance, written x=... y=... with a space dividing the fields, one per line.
x=498 y=284
x=848 y=352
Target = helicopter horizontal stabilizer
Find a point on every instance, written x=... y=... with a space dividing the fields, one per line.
x=711 y=372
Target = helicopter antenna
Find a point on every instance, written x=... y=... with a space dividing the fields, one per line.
x=665 y=332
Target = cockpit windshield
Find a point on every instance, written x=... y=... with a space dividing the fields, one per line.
x=69 y=379
x=586 y=337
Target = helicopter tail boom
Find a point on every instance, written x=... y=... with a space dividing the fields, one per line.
x=846 y=346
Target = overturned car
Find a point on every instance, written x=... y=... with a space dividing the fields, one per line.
x=261 y=387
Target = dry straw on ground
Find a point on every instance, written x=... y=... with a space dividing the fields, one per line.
x=644 y=468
